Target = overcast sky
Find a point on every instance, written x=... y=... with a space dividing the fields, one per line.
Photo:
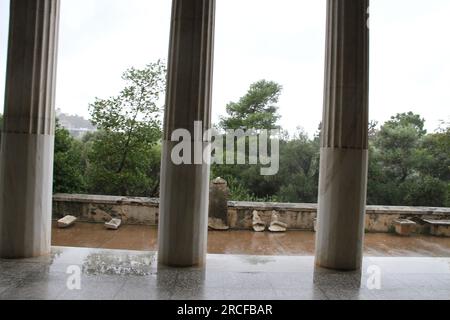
x=280 y=40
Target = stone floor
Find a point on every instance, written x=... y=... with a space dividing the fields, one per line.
x=296 y=243
x=134 y=275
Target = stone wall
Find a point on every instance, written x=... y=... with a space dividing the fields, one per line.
x=99 y=209
x=301 y=216
x=145 y=211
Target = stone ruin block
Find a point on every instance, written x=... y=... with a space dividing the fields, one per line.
x=218 y=205
x=404 y=227
x=439 y=228
x=66 y=222
x=276 y=225
x=114 y=224
x=258 y=224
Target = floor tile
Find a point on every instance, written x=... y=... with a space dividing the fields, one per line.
x=300 y=294
x=125 y=275
x=198 y=294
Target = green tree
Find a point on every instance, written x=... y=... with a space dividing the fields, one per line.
x=408 y=120
x=404 y=168
x=257 y=109
x=437 y=161
x=69 y=163
x=299 y=169
x=296 y=181
x=437 y=153
x=124 y=154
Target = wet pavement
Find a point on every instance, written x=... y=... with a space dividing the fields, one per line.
x=135 y=275
x=292 y=243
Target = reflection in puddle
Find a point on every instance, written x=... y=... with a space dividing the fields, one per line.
x=255 y=260
x=116 y=264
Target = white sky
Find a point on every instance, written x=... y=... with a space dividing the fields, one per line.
x=280 y=40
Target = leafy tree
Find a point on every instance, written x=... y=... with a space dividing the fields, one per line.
x=423 y=190
x=297 y=180
x=407 y=166
x=398 y=142
x=437 y=162
x=408 y=120
x=436 y=147
x=257 y=109
x=299 y=169
x=124 y=154
x=69 y=163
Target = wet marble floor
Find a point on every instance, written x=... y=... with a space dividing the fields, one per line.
x=134 y=275
x=245 y=242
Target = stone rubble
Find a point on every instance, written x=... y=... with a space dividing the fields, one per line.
x=114 y=224
x=66 y=222
x=276 y=225
x=258 y=224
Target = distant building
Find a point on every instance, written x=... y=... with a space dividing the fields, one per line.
x=75 y=124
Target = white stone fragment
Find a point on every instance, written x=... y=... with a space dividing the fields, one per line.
x=258 y=224
x=276 y=225
x=114 y=224
x=66 y=222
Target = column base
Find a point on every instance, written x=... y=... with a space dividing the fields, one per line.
x=26 y=171
x=342 y=206
x=183 y=222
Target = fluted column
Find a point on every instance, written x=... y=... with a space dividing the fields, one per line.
x=344 y=154
x=183 y=221
x=26 y=163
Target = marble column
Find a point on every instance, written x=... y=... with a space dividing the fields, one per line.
x=26 y=160
x=183 y=222
x=344 y=153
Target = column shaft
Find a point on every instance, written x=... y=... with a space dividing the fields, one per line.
x=344 y=154
x=183 y=221
x=26 y=160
